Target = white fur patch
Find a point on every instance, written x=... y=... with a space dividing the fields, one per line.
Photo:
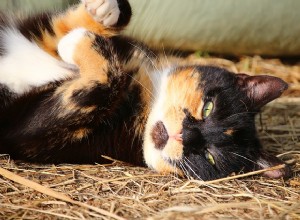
x=105 y=11
x=68 y=43
x=152 y=155
x=25 y=65
x=160 y=98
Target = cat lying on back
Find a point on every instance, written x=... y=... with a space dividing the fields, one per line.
x=72 y=89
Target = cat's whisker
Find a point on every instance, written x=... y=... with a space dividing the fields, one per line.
x=244 y=105
x=179 y=164
x=236 y=154
x=173 y=163
x=173 y=97
x=176 y=169
x=148 y=90
x=165 y=56
x=222 y=91
x=184 y=165
x=154 y=79
x=187 y=166
x=185 y=160
x=151 y=75
x=185 y=171
x=146 y=55
x=237 y=114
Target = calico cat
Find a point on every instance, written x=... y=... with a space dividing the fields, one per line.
x=72 y=89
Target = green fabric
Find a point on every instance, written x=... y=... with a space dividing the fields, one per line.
x=33 y=5
x=265 y=27
x=268 y=27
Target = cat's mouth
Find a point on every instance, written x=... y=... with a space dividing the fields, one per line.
x=160 y=136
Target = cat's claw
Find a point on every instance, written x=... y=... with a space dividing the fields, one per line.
x=106 y=12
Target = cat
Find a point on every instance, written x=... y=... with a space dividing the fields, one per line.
x=73 y=88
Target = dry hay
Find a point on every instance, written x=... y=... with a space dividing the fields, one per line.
x=117 y=191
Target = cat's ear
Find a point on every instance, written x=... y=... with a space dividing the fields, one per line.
x=266 y=160
x=261 y=89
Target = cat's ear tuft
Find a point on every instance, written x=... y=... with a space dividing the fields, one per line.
x=267 y=161
x=261 y=89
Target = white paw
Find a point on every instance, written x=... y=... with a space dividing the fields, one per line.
x=105 y=11
x=68 y=43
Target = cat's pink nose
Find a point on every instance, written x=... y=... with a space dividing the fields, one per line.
x=159 y=135
x=177 y=137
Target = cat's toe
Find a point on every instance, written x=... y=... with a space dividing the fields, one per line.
x=106 y=12
x=67 y=45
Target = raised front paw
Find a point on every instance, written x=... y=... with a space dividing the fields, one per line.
x=69 y=43
x=106 y=12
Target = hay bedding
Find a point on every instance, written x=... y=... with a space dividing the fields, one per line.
x=121 y=191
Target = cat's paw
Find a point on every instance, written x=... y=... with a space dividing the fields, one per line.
x=106 y=12
x=67 y=45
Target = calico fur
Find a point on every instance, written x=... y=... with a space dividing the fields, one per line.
x=89 y=91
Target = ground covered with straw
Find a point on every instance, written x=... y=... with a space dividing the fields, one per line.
x=121 y=191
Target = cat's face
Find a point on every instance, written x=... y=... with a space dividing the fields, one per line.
x=202 y=123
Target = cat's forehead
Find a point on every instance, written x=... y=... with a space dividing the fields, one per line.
x=185 y=75
x=203 y=73
x=205 y=77
x=184 y=72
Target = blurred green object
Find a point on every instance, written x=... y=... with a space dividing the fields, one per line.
x=234 y=27
x=34 y=5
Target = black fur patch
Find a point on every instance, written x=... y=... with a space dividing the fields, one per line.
x=125 y=13
x=33 y=27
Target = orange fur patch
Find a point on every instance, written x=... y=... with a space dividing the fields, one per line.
x=91 y=64
x=64 y=23
x=80 y=133
x=93 y=68
x=86 y=110
x=183 y=90
x=229 y=132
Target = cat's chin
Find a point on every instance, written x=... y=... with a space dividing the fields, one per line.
x=158 y=161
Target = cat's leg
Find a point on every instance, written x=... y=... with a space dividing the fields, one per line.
x=26 y=62
x=103 y=17
x=105 y=12
x=101 y=79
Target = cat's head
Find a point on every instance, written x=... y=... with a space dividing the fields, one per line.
x=202 y=123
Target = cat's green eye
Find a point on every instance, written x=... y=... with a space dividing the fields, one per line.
x=210 y=158
x=207 y=109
